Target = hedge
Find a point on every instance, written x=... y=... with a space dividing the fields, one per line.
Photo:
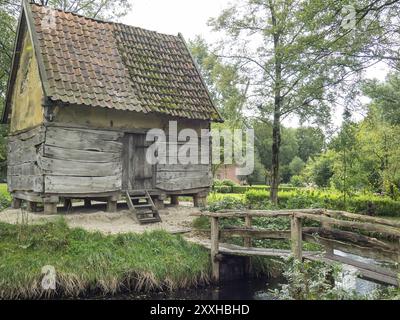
x=301 y=199
x=244 y=189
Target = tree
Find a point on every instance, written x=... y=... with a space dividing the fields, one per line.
x=227 y=87
x=300 y=55
x=310 y=141
x=385 y=96
x=296 y=166
x=101 y=9
x=320 y=169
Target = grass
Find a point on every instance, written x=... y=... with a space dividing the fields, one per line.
x=93 y=263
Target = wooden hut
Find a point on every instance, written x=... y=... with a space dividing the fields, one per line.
x=82 y=94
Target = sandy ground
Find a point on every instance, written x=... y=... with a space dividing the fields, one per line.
x=175 y=219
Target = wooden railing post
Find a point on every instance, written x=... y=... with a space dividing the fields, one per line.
x=215 y=248
x=296 y=237
x=247 y=240
x=247 y=243
x=329 y=249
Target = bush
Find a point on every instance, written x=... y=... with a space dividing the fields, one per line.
x=5 y=198
x=257 y=199
x=297 y=181
x=224 y=203
x=244 y=189
x=225 y=182
x=223 y=189
x=362 y=204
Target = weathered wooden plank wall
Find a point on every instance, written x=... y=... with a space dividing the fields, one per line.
x=81 y=160
x=175 y=177
x=63 y=160
x=23 y=171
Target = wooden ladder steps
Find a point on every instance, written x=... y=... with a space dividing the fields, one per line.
x=143 y=207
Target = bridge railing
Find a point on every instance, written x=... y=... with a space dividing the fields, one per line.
x=361 y=235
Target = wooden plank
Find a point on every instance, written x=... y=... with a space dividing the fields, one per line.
x=56 y=167
x=27 y=135
x=183 y=168
x=363 y=265
x=131 y=160
x=255 y=233
x=79 y=155
x=215 y=248
x=361 y=218
x=352 y=224
x=351 y=237
x=35 y=197
x=296 y=237
x=351 y=248
x=78 y=185
x=25 y=183
x=125 y=163
x=79 y=134
x=82 y=143
x=184 y=183
x=243 y=214
x=22 y=155
x=24 y=169
x=247 y=242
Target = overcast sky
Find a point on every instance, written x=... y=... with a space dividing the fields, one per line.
x=190 y=17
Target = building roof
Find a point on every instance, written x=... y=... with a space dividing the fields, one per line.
x=111 y=65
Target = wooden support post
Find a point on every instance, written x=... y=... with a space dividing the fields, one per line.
x=328 y=246
x=175 y=200
x=67 y=204
x=296 y=237
x=16 y=203
x=88 y=203
x=158 y=203
x=50 y=208
x=31 y=206
x=247 y=243
x=398 y=262
x=111 y=205
x=199 y=201
x=214 y=248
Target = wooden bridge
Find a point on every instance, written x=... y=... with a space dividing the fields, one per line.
x=359 y=235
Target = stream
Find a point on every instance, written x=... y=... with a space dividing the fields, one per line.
x=257 y=288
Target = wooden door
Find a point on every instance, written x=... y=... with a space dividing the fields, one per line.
x=137 y=173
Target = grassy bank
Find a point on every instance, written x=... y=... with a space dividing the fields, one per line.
x=95 y=263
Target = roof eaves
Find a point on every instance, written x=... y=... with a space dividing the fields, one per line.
x=36 y=47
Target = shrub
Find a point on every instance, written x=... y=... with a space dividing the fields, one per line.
x=5 y=198
x=223 y=189
x=224 y=203
x=362 y=204
x=297 y=181
x=257 y=199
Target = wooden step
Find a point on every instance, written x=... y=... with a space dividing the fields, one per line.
x=150 y=220
x=146 y=212
x=142 y=206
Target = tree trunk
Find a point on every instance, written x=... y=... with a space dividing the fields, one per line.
x=276 y=143
x=276 y=130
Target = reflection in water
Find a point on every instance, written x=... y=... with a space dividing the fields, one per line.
x=349 y=279
x=258 y=289
x=243 y=289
